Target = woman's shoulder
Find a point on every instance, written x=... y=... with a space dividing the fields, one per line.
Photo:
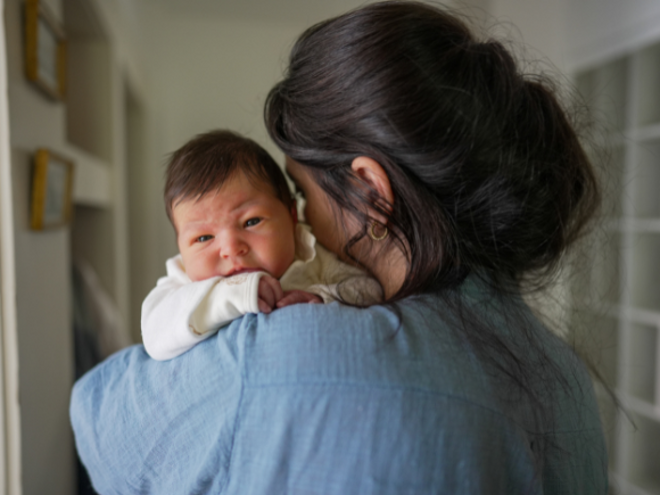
x=341 y=381
x=415 y=346
x=410 y=348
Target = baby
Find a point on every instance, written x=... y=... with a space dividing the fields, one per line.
x=241 y=247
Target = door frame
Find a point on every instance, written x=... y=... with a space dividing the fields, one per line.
x=10 y=421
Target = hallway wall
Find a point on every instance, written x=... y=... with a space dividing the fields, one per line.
x=42 y=261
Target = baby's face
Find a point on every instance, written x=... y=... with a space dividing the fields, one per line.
x=240 y=228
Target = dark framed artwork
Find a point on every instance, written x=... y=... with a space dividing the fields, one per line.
x=45 y=50
x=52 y=187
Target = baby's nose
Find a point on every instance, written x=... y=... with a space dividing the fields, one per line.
x=232 y=245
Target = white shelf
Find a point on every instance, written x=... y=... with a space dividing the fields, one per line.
x=645 y=133
x=605 y=88
x=645 y=180
x=610 y=167
x=644 y=250
x=631 y=224
x=648 y=82
x=640 y=407
x=651 y=225
x=643 y=448
x=641 y=362
x=642 y=316
x=623 y=94
x=92 y=178
x=624 y=487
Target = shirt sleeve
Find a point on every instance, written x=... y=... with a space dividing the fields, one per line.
x=178 y=313
x=156 y=427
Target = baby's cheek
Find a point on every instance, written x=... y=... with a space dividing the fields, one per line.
x=197 y=271
x=193 y=274
x=287 y=254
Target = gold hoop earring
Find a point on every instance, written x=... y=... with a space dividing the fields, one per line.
x=373 y=235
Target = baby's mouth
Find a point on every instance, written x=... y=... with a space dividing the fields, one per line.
x=239 y=270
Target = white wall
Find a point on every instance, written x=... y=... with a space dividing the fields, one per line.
x=572 y=33
x=210 y=72
x=42 y=262
x=540 y=25
x=599 y=29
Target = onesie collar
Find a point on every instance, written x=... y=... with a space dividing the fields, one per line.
x=305 y=243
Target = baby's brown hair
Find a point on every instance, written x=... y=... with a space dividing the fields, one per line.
x=204 y=163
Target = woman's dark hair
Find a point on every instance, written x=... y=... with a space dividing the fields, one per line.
x=487 y=171
x=204 y=163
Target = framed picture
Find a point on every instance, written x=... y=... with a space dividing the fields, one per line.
x=52 y=186
x=45 y=50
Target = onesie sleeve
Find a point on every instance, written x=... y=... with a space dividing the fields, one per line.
x=179 y=313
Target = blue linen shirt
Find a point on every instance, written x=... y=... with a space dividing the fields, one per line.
x=330 y=399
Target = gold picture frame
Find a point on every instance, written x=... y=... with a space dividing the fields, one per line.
x=52 y=188
x=45 y=50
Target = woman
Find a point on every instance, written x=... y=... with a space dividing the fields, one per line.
x=427 y=158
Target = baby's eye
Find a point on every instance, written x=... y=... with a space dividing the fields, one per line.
x=252 y=222
x=204 y=238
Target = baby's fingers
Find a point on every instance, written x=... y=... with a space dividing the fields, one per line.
x=270 y=289
x=298 y=297
x=264 y=307
x=269 y=292
x=266 y=291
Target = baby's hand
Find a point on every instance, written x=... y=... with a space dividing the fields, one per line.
x=269 y=293
x=298 y=296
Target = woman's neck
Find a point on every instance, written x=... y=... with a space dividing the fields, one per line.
x=390 y=269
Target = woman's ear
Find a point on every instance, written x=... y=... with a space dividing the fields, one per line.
x=372 y=174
